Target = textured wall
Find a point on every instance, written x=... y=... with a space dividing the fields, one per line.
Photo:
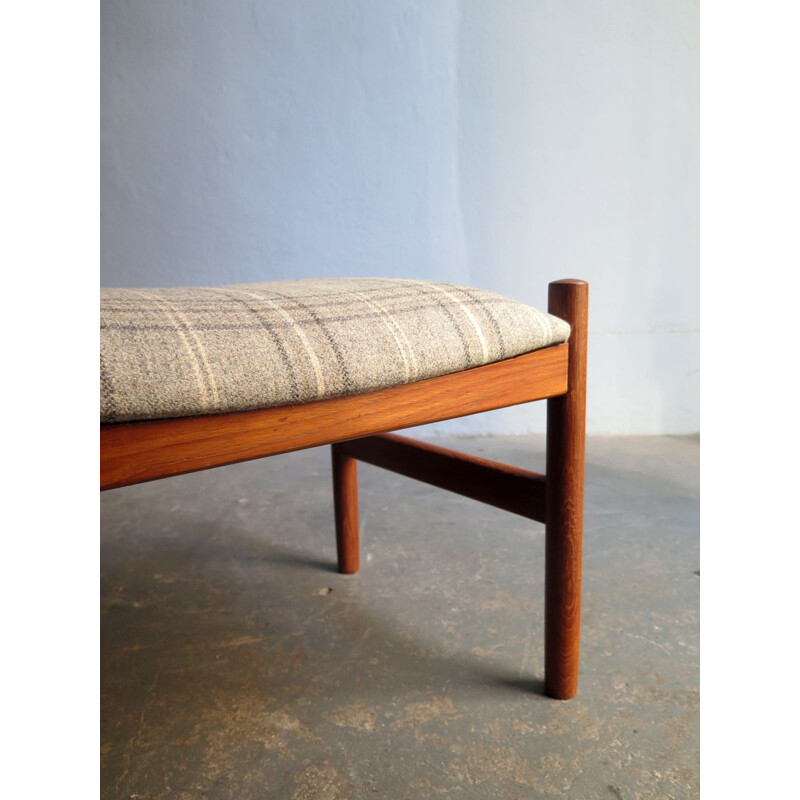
x=498 y=143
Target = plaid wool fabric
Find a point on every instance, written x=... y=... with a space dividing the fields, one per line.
x=184 y=352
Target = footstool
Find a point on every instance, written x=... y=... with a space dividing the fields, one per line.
x=194 y=378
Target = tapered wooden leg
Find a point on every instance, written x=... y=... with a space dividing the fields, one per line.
x=345 y=504
x=564 y=505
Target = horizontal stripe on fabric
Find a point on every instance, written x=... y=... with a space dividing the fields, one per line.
x=308 y=322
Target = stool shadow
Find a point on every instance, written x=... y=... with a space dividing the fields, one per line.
x=213 y=601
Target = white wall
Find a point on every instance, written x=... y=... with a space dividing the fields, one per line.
x=497 y=143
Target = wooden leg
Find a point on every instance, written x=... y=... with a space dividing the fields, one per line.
x=564 y=506
x=345 y=504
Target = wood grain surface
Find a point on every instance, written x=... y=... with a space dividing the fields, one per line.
x=520 y=491
x=345 y=506
x=568 y=299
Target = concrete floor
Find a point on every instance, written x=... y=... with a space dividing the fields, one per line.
x=236 y=663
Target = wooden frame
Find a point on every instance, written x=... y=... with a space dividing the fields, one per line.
x=357 y=428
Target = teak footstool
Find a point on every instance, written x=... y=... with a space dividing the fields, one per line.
x=202 y=377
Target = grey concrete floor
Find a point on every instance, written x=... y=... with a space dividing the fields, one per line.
x=236 y=663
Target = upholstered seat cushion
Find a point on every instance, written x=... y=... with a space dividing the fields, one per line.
x=184 y=352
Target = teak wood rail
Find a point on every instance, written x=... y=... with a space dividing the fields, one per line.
x=358 y=428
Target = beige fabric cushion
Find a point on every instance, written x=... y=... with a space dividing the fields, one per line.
x=184 y=352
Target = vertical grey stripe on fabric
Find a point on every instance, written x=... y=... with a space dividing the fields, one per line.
x=449 y=314
x=486 y=310
x=189 y=337
x=277 y=339
x=411 y=368
x=347 y=383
